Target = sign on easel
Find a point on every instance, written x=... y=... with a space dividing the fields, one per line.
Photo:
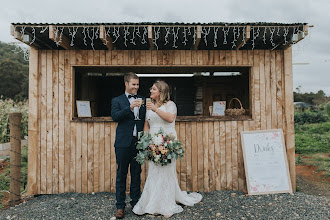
x=83 y=109
x=265 y=162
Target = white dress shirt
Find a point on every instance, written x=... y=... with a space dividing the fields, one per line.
x=130 y=102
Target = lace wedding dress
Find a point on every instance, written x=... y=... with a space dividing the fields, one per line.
x=161 y=191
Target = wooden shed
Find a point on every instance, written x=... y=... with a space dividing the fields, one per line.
x=201 y=62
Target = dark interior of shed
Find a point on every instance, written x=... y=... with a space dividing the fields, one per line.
x=193 y=89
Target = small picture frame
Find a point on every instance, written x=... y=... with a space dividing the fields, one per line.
x=219 y=108
x=83 y=109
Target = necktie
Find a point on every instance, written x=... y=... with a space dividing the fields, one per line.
x=130 y=96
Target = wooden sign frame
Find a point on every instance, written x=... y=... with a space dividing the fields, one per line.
x=83 y=113
x=248 y=175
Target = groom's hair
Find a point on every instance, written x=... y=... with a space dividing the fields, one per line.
x=129 y=76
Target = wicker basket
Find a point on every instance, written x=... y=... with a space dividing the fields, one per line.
x=235 y=111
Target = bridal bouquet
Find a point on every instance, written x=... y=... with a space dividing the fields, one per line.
x=159 y=148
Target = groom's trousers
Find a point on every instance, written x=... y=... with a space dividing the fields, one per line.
x=125 y=157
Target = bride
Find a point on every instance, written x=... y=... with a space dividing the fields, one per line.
x=161 y=190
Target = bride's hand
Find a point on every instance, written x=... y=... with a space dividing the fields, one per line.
x=151 y=106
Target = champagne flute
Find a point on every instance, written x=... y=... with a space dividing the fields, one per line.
x=136 y=109
x=148 y=100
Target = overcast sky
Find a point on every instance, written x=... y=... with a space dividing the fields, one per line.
x=314 y=50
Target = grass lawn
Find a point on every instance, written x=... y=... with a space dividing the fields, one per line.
x=313 y=145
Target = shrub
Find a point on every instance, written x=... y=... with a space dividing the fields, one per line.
x=7 y=106
x=312 y=138
x=327 y=109
x=309 y=117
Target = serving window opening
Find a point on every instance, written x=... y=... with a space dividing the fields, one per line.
x=193 y=89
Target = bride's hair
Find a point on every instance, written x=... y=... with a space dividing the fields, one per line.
x=164 y=91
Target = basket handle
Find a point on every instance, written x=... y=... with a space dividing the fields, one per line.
x=238 y=102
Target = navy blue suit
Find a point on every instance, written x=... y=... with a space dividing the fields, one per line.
x=125 y=148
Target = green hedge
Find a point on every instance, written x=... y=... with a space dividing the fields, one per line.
x=309 y=117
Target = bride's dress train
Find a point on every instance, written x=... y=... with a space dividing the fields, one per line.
x=161 y=191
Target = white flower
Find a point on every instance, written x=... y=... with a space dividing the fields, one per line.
x=157 y=157
x=157 y=140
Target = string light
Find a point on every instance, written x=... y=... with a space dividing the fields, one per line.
x=286 y=31
x=156 y=35
x=215 y=30
x=264 y=36
x=72 y=34
x=225 y=33
x=234 y=38
x=272 y=31
x=167 y=29
x=130 y=34
x=175 y=34
x=34 y=36
x=126 y=33
x=255 y=35
x=205 y=34
x=132 y=41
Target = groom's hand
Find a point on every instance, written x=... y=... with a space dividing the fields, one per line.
x=135 y=103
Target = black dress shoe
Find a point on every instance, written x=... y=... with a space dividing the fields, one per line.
x=120 y=213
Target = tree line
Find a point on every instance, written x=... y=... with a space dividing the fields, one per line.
x=14 y=72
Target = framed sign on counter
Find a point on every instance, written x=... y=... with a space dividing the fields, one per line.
x=265 y=162
x=83 y=108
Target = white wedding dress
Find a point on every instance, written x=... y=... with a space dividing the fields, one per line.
x=161 y=191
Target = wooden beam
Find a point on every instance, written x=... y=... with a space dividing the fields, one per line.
x=151 y=37
x=106 y=39
x=18 y=36
x=246 y=35
x=65 y=42
x=199 y=37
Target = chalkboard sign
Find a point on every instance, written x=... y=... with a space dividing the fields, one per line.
x=83 y=109
x=265 y=161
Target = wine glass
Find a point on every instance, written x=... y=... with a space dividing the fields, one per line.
x=148 y=100
x=136 y=109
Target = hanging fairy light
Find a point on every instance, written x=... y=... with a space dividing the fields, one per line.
x=205 y=33
x=145 y=35
x=126 y=33
x=286 y=31
x=255 y=36
x=175 y=36
x=156 y=35
x=215 y=30
x=72 y=34
x=168 y=31
x=225 y=34
x=272 y=31
x=132 y=40
x=116 y=34
x=234 y=38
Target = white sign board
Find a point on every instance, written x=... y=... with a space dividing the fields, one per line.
x=265 y=161
x=83 y=109
x=219 y=108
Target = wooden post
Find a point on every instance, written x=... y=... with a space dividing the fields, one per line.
x=15 y=157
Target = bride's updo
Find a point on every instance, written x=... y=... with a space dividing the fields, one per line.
x=164 y=91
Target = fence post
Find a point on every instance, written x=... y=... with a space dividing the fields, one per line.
x=15 y=157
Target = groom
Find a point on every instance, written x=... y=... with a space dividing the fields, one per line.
x=122 y=111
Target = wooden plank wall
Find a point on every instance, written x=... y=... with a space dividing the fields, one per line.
x=68 y=156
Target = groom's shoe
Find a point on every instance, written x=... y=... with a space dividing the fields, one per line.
x=120 y=213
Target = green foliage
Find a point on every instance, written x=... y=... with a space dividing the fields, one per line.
x=7 y=106
x=327 y=109
x=308 y=117
x=4 y=182
x=13 y=73
x=312 y=138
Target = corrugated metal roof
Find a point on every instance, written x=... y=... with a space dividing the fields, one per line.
x=167 y=23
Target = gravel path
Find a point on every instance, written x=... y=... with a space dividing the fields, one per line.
x=215 y=205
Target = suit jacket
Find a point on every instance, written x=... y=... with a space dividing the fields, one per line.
x=121 y=113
